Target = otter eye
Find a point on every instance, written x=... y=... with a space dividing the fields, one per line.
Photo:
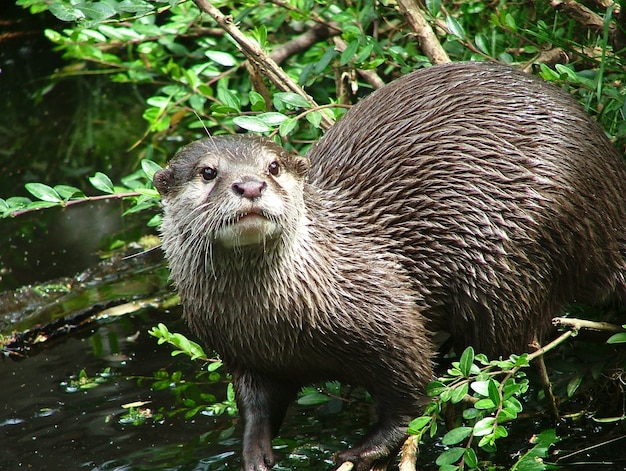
x=208 y=173
x=274 y=168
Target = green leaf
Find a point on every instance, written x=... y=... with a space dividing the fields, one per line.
x=450 y=456
x=41 y=205
x=313 y=399
x=251 y=123
x=471 y=460
x=103 y=183
x=456 y=435
x=484 y=404
x=315 y=118
x=257 y=102
x=494 y=392
x=272 y=118
x=135 y=6
x=573 y=384
x=43 y=192
x=434 y=7
x=466 y=362
x=481 y=43
x=617 y=338
x=66 y=192
x=228 y=98
x=150 y=168
x=349 y=52
x=287 y=126
x=292 y=99
x=510 y=21
x=230 y=392
x=471 y=413
x=222 y=58
x=96 y=11
x=455 y=28
x=459 y=393
x=214 y=366
x=500 y=432
x=17 y=202
x=416 y=425
x=325 y=60
x=484 y=426
x=66 y=13
x=481 y=387
x=532 y=460
x=435 y=388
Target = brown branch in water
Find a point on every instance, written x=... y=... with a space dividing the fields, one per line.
x=426 y=37
x=258 y=58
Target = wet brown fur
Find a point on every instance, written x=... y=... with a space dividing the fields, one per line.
x=467 y=196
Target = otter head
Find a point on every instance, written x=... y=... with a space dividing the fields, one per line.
x=233 y=191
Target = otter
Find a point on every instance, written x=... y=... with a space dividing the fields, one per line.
x=468 y=196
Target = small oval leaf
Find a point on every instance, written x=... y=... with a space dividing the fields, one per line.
x=103 y=183
x=251 y=123
x=43 y=192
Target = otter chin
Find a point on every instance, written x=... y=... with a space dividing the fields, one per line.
x=470 y=198
x=251 y=228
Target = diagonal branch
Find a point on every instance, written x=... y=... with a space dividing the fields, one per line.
x=258 y=58
x=429 y=44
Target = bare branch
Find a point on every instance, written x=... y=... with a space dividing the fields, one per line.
x=577 y=324
x=583 y=15
x=317 y=33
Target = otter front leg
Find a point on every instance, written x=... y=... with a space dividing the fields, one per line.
x=262 y=404
x=378 y=448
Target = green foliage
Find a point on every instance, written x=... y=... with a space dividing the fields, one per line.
x=137 y=188
x=183 y=345
x=190 y=395
x=189 y=398
x=83 y=381
x=487 y=394
x=315 y=396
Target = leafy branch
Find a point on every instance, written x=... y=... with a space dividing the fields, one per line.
x=137 y=187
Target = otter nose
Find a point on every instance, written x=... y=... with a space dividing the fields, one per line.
x=249 y=189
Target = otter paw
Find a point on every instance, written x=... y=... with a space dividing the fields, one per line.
x=257 y=459
x=361 y=460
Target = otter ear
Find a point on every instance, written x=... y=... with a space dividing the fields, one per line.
x=163 y=181
x=301 y=166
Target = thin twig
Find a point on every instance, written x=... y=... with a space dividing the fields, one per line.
x=578 y=324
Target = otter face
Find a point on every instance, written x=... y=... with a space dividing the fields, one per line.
x=235 y=191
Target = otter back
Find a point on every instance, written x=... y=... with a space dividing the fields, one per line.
x=505 y=197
